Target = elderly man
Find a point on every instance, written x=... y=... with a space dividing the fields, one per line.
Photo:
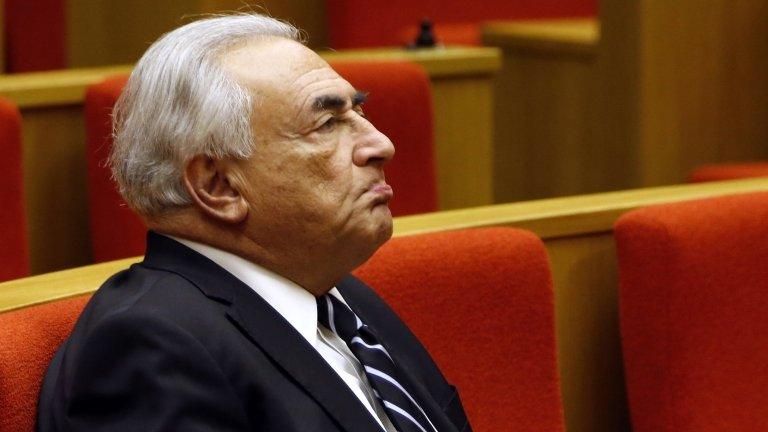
x=252 y=163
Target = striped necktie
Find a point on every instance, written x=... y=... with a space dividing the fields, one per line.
x=406 y=415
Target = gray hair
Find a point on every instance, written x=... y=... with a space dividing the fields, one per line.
x=179 y=103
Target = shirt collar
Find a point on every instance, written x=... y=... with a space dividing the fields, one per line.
x=297 y=305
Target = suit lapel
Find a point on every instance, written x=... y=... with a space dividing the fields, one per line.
x=408 y=378
x=302 y=362
x=267 y=329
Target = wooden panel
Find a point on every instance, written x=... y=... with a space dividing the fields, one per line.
x=545 y=111
x=688 y=84
x=577 y=234
x=55 y=187
x=584 y=270
x=464 y=141
x=51 y=103
x=103 y=32
x=660 y=88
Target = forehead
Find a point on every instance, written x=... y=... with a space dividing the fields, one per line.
x=283 y=71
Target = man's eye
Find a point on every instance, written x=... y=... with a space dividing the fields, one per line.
x=329 y=124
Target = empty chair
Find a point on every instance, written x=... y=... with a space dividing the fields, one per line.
x=481 y=301
x=717 y=172
x=29 y=338
x=116 y=231
x=400 y=105
x=693 y=302
x=14 y=255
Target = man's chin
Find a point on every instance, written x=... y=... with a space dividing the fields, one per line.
x=386 y=222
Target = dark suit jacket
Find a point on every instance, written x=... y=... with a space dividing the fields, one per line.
x=176 y=343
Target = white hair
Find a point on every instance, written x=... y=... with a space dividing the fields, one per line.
x=179 y=103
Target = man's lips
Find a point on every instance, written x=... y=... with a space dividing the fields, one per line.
x=382 y=192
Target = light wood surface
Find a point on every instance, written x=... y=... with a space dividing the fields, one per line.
x=684 y=84
x=577 y=232
x=54 y=88
x=54 y=141
x=544 y=111
x=560 y=36
x=438 y=62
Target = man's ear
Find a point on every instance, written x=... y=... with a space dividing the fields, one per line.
x=208 y=183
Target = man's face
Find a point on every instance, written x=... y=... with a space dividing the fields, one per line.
x=315 y=180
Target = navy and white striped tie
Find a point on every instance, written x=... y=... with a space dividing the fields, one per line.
x=402 y=409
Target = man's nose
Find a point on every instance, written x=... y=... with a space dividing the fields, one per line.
x=373 y=148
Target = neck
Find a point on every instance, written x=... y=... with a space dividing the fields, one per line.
x=314 y=270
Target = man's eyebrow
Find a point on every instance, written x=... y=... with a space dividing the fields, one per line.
x=359 y=98
x=335 y=102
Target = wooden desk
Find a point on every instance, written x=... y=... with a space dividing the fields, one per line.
x=544 y=143
x=54 y=141
x=639 y=99
x=577 y=232
x=684 y=85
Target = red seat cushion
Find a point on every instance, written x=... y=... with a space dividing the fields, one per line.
x=400 y=106
x=14 y=253
x=481 y=301
x=116 y=231
x=733 y=171
x=693 y=302
x=28 y=339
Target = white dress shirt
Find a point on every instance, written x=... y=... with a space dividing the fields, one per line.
x=298 y=306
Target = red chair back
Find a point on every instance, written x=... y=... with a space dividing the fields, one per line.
x=385 y=19
x=718 y=172
x=693 y=302
x=14 y=253
x=35 y=35
x=29 y=338
x=116 y=231
x=481 y=301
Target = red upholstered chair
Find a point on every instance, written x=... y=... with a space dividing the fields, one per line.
x=116 y=232
x=693 y=302
x=28 y=339
x=482 y=302
x=353 y=23
x=717 y=172
x=14 y=255
x=400 y=105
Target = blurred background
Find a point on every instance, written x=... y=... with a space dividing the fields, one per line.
x=530 y=99
x=488 y=103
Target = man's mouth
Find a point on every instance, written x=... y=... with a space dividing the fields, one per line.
x=382 y=193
